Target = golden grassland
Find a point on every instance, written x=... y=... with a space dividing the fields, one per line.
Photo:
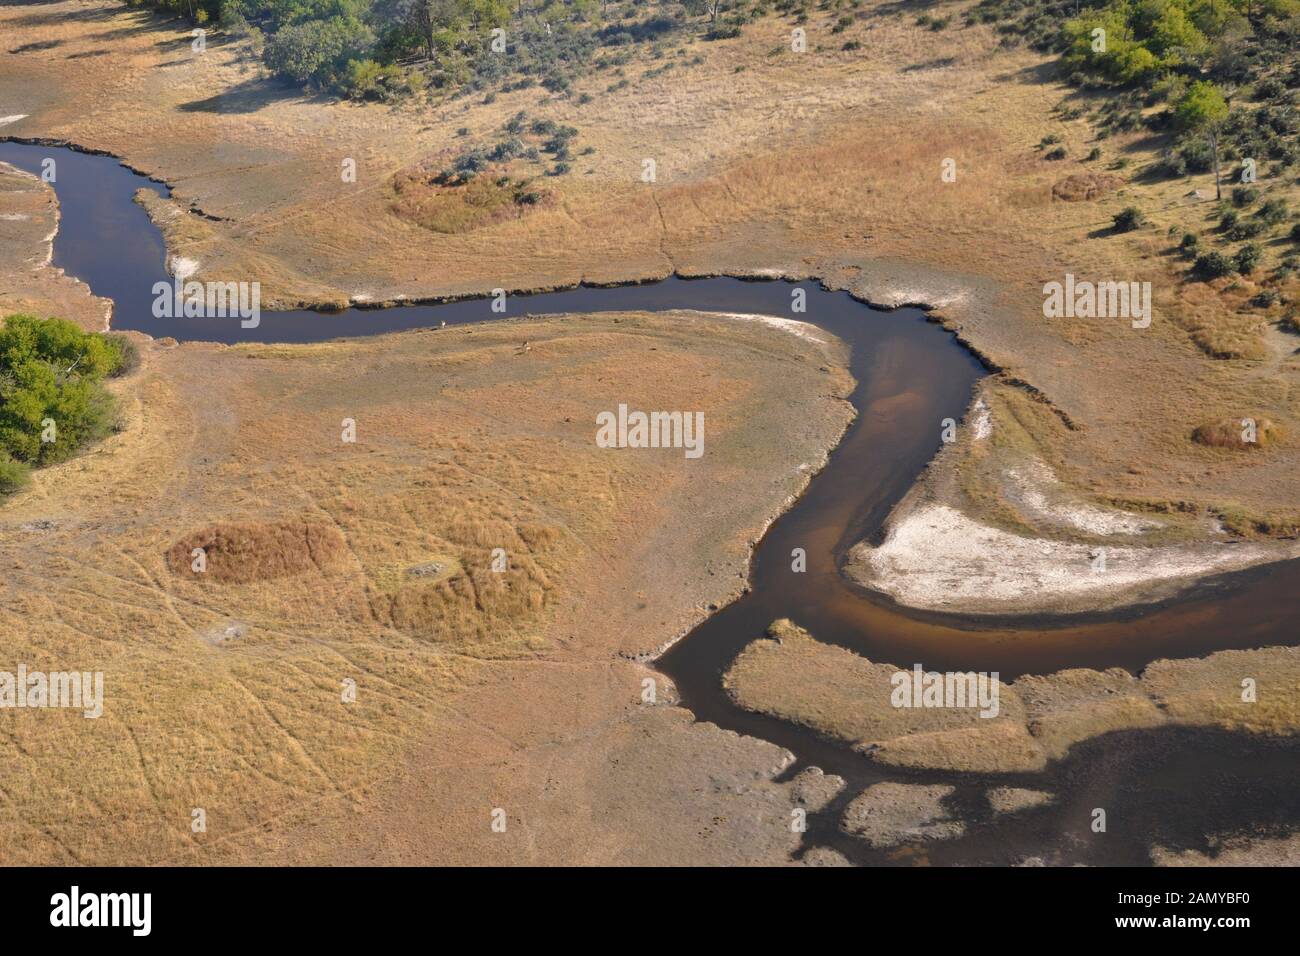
x=825 y=163
x=477 y=689
x=333 y=564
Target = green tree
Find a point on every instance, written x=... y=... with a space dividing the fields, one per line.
x=1203 y=111
x=51 y=398
x=13 y=474
x=318 y=50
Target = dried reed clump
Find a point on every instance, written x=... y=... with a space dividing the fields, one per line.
x=243 y=553
x=1081 y=187
x=1233 y=432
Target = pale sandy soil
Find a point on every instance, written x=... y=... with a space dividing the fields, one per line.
x=938 y=558
x=1015 y=799
x=886 y=815
x=1282 y=851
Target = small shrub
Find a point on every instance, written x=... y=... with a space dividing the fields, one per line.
x=128 y=356
x=516 y=124
x=1211 y=265
x=1272 y=213
x=14 y=475
x=1247 y=258
x=1128 y=219
x=723 y=32
x=1056 y=152
x=1245 y=229
x=1244 y=195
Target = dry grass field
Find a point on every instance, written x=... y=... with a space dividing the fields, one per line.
x=335 y=566
x=825 y=163
x=371 y=562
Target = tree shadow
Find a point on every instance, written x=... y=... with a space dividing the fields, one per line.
x=1046 y=72
x=37 y=45
x=84 y=15
x=250 y=96
x=938 y=63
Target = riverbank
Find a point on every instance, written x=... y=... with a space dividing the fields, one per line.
x=748 y=196
x=934 y=557
x=1038 y=718
x=29 y=221
x=482 y=694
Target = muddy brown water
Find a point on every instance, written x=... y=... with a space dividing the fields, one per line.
x=1176 y=787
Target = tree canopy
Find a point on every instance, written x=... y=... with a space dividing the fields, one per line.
x=52 y=400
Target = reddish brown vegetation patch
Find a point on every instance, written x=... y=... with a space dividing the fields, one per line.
x=454 y=206
x=243 y=553
x=1081 y=187
x=1233 y=432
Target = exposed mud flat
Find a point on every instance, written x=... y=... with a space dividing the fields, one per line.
x=1238 y=851
x=890 y=814
x=936 y=558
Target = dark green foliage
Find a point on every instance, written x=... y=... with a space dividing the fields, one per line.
x=13 y=475
x=317 y=51
x=128 y=356
x=1126 y=220
x=1245 y=229
x=1272 y=213
x=1155 y=49
x=1244 y=195
x=52 y=401
x=1247 y=258
x=1212 y=265
x=385 y=49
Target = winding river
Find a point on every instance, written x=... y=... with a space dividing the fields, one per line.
x=1173 y=786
